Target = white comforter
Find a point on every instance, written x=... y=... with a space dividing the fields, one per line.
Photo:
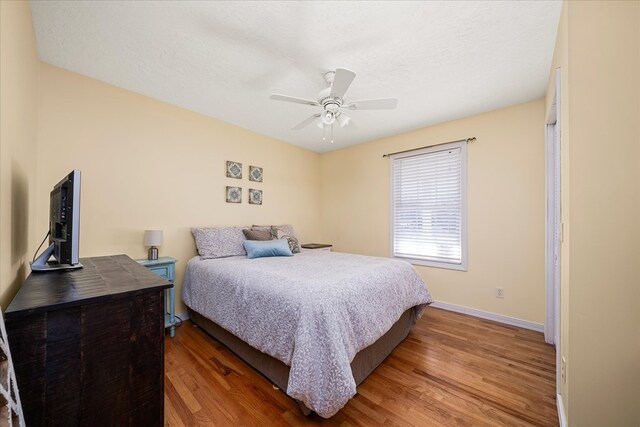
x=313 y=311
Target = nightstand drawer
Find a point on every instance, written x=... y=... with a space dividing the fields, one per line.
x=162 y=271
x=165 y=267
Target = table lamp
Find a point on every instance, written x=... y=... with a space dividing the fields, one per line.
x=153 y=239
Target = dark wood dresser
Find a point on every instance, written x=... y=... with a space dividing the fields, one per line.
x=88 y=345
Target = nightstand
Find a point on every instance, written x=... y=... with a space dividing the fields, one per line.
x=165 y=267
x=317 y=247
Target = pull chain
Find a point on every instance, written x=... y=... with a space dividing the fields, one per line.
x=332 y=133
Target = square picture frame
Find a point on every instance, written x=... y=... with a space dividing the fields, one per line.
x=255 y=173
x=233 y=194
x=255 y=196
x=234 y=170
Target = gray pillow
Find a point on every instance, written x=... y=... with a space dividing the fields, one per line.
x=257 y=234
x=219 y=242
x=261 y=227
x=285 y=229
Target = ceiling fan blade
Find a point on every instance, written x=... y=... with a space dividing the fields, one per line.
x=287 y=98
x=341 y=82
x=374 y=104
x=306 y=122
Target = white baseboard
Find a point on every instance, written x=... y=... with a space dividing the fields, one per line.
x=183 y=316
x=562 y=418
x=514 y=321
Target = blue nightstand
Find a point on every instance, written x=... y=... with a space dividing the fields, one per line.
x=165 y=267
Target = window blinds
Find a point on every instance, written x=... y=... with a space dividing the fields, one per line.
x=427 y=205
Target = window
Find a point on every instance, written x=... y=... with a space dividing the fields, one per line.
x=428 y=206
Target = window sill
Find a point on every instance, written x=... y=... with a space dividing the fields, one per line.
x=434 y=264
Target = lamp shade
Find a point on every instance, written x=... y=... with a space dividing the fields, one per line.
x=152 y=237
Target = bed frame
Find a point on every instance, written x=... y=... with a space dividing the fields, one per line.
x=364 y=362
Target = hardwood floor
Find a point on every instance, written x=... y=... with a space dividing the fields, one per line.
x=452 y=370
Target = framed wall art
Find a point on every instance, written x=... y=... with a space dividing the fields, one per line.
x=255 y=197
x=234 y=170
x=234 y=194
x=255 y=173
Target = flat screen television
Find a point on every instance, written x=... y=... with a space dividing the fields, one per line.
x=64 y=227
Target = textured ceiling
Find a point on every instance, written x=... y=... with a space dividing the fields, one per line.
x=442 y=60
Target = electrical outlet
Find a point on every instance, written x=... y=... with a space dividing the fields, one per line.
x=563 y=369
x=499 y=292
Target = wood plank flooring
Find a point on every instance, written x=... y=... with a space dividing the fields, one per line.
x=452 y=370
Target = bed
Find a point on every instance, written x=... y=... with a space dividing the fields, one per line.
x=315 y=324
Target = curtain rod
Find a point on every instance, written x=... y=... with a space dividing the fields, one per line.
x=467 y=140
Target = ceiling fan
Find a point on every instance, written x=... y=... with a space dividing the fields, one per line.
x=332 y=102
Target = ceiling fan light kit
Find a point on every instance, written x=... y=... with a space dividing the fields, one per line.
x=328 y=117
x=343 y=120
x=331 y=100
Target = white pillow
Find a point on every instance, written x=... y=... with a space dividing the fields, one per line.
x=286 y=232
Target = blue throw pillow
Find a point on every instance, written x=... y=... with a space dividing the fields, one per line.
x=265 y=248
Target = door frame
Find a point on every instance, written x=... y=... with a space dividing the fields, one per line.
x=553 y=225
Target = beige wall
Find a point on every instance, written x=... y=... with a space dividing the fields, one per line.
x=604 y=97
x=505 y=207
x=149 y=165
x=18 y=123
x=599 y=50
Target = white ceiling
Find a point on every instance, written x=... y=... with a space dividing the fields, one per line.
x=442 y=60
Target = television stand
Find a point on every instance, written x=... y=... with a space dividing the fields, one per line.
x=88 y=345
x=40 y=264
